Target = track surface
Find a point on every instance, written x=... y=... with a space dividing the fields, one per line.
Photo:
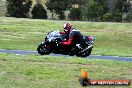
x=24 y=52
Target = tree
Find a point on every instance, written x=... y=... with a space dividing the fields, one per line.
x=50 y=6
x=18 y=8
x=83 y=6
x=96 y=9
x=75 y=14
x=39 y=12
x=58 y=7
x=128 y=18
x=107 y=17
x=121 y=7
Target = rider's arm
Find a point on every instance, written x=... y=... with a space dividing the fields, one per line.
x=62 y=33
x=69 y=42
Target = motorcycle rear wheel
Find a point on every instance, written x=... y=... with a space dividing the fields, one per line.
x=86 y=53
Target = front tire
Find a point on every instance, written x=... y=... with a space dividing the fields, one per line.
x=43 y=49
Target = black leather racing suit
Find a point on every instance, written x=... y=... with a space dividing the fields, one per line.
x=74 y=37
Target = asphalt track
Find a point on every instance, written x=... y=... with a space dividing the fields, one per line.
x=25 y=52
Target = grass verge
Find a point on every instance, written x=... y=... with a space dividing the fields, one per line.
x=32 y=71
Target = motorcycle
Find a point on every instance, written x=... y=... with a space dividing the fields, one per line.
x=52 y=42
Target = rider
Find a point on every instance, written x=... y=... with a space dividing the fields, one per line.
x=74 y=35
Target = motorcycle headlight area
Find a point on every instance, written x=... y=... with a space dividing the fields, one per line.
x=51 y=39
x=53 y=34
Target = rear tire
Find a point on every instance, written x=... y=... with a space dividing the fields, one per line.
x=86 y=53
x=43 y=49
x=89 y=52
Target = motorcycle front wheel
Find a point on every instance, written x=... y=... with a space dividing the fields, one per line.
x=43 y=49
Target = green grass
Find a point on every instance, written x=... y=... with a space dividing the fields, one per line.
x=30 y=71
x=26 y=34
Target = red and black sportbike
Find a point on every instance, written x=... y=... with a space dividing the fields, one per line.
x=51 y=44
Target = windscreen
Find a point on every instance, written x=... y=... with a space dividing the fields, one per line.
x=53 y=34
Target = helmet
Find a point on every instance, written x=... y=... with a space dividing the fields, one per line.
x=67 y=27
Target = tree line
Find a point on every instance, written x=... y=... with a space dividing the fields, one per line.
x=88 y=10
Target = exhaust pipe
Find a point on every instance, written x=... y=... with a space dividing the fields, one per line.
x=89 y=47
